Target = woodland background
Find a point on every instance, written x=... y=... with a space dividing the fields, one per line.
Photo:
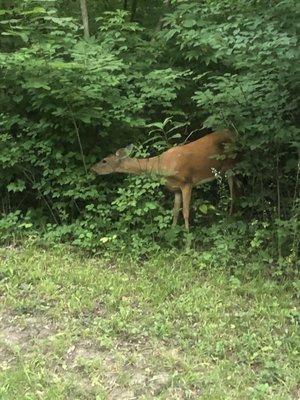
x=153 y=73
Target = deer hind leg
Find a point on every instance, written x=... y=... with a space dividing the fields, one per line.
x=177 y=204
x=232 y=194
x=186 y=199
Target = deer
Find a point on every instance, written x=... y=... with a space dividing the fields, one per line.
x=182 y=167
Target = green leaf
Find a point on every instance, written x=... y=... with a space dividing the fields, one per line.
x=35 y=10
x=203 y=208
x=17 y=186
x=189 y=23
x=176 y=136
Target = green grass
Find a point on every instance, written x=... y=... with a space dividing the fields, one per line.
x=78 y=328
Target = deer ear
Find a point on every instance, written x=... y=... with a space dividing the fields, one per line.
x=129 y=148
x=121 y=153
x=125 y=152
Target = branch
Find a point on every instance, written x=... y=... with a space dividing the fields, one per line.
x=79 y=141
x=32 y=181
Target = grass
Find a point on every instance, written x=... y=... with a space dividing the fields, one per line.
x=78 y=328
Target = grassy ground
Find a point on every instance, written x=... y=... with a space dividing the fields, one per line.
x=78 y=328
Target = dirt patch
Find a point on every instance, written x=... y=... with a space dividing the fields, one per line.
x=130 y=370
x=39 y=327
x=19 y=333
x=296 y=392
x=85 y=351
x=12 y=337
x=20 y=330
x=127 y=371
x=11 y=333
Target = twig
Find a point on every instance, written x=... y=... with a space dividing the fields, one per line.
x=32 y=180
x=76 y=206
x=297 y=182
x=195 y=130
x=278 y=187
x=278 y=204
x=79 y=141
x=295 y=209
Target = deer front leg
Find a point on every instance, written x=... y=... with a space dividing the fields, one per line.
x=186 y=199
x=177 y=204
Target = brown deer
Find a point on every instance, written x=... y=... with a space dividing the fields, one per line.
x=183 y=167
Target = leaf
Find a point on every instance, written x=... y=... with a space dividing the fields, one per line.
x=26 y=225
x=150 y=206
x=104 y=239
x=17 y=186
x=36 y=84
x=158 y=125
x=189 y=23
x=35 y=10
x=24 y=36
x=166 y=121
x=170 y=33
x=203 y=208
x=176 y=136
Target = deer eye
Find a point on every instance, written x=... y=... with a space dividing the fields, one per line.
x=104 y=161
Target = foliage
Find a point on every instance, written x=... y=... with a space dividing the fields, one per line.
x=66 y=102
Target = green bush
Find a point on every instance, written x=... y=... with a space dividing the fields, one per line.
x=66 y=102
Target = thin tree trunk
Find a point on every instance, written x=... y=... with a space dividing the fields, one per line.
x=125 y=5
x=133 y=9
x=7 y=5
x=278 y=188
x=160 y=22
x=279 y=244
x=85 y=18
x=295 y=211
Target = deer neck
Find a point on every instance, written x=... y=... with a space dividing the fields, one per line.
x=141 y=166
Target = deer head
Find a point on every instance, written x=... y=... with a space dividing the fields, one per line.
x=113 y=162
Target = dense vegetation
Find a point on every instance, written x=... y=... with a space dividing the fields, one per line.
x=151 y=73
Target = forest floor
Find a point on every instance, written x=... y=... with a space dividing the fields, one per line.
x=73 y=327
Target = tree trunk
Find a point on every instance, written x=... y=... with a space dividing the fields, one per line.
x=8 y=4
x=167 y=4
x=125 y=5
x=133 y=9
x=159 y=25
x=85 y=18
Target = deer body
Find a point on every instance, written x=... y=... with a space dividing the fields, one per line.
x=183 y=167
